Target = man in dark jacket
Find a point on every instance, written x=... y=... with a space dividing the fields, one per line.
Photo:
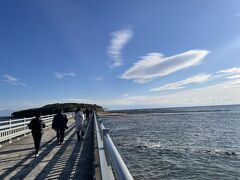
x=87 y=112
x=37 y=125
x=59 y=124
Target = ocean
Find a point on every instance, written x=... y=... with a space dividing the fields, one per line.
x=4 y=118
x=179 y=143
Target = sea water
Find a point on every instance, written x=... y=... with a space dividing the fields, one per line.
x=190 y=143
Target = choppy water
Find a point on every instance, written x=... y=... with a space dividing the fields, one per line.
x=187 y=145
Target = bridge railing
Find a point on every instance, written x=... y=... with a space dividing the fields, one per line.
x=111 y=164
x=14 y=128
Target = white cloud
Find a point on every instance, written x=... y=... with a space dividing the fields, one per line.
x=63 y=75
x=99 y=78
x=200 y=78
x=230 y=71
x=234 y=77
x=155 y=65
x=118 y=40
x=222 y=93
x=237 y=15
x=12 y=80
x=232 y=84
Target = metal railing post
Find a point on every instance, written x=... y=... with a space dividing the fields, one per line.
x=10 y=124
x=100 y=129
x=10 y=130
x=24 y=125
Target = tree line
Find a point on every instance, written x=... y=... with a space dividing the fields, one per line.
x=52 y=109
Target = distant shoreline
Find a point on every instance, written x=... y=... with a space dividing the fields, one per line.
x=174 y=107
x=107 y=114
x=190 y=109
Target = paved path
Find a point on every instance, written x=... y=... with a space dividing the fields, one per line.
x=71 y=160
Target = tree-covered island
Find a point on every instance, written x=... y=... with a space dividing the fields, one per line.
x=52 y=108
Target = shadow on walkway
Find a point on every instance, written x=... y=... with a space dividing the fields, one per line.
x=34 y=162
x=84 y=166
x=59 y=161
x=73 y=160
x=79 y=163
x=16 y=150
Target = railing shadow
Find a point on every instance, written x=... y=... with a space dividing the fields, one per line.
x=24 y=172
x=84 y=167
x=79 y=165
x=55 y=166
x=75 y=162
x=16 y=150
x=34 y=162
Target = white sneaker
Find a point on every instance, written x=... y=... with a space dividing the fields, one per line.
x=36 y=155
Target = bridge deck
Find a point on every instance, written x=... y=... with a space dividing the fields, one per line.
x=72 y=160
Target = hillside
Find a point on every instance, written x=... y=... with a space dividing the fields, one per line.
x=52 y=108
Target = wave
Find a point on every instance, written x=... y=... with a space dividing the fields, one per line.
x=152 y=146
x=222 y=152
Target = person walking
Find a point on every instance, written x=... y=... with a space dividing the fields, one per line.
x=37 y=125
x=87 y=112
x=79 y=120
x=59 y=124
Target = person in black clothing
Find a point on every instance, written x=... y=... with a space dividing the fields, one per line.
x=59 y=124
x=87 y=112
x=37 y=125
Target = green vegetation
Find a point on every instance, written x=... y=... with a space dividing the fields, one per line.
x=52 y=108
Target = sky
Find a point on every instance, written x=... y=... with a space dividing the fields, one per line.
x=119 y=54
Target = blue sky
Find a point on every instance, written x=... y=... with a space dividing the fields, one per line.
x=119 y=54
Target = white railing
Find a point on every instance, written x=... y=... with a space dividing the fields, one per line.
x=14 y=128
x=109 y=156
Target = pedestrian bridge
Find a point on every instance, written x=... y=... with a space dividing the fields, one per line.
x=94 y=158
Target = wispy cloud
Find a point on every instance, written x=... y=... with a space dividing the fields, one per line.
x=63 y=75
x=234 y=77
x=237 y=15
x=232 y=84
x=155 y=65
x=200 y=78
x=118 y=40
x=222 y=93
x=231 y=78
x=12 y=80
x=230 y=71
x=99 y=78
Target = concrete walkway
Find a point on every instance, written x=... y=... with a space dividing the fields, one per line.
x=72 y=160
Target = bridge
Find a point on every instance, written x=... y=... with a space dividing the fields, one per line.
x=95 y=157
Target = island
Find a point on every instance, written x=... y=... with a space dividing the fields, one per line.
x=52 y=109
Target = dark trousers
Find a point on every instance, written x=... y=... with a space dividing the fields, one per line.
x=37 y=140
x=78 y=135
x=60 y=134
